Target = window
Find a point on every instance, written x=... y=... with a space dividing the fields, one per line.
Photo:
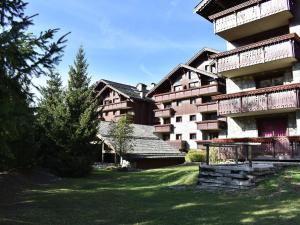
x=167 y=121
x=274 y=81
x=178 y=88
x=193 y=136
x=178 y=119
x=193 y=101
x=178 y=136
x=194 y=85
x=178 y=102
x=210 y=136
x=193 y=118
x=167 y=105
x=166 y=137
x=207 y=68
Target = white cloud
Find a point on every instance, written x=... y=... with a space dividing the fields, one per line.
x=146 y=71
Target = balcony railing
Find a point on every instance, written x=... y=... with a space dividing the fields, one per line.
x=164 y=113
x=207 y=90
x=284 y=97
x=241 y=20
x=117 y=106
x=178 y=144
x=164 y=128
x=208 y=107
x=258 y=57
x=211 y=125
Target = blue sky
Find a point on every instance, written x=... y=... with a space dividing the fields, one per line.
x=128 y=41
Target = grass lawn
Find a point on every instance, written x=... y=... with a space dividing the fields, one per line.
x=110 y=197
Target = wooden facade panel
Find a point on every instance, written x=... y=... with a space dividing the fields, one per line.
x=165 y=128
x=287 y=99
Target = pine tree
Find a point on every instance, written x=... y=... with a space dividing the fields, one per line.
x=49 y=111
x=23 y=56
x=79 y=142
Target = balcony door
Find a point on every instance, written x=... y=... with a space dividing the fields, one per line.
x=272 y=127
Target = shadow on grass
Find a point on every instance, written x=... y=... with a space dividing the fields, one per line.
x=109 y=197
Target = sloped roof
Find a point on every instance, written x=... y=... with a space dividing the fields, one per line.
x=187 y=65
x=203 y=72
x=146 y=143
x=201 y=52
x=201 y=5
x=127 y=90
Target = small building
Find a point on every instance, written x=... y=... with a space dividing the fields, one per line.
x=149 y=151
x=117 y=100
x=184 y=106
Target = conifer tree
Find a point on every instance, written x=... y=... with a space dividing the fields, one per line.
x=23 y=56
x=79 y=116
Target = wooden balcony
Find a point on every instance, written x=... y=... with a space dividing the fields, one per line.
x=207 y=90
x=164 y=113
x=164 y=128
x=117 y=106
x=211 y=125
x=251 y=17
x=178 y=144
x=283 y=98
x=267 y=55
x=208 y=107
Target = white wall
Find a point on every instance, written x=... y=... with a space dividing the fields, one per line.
x=186 y=127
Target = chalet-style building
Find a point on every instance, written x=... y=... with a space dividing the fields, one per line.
x=184 y=105
x=262 y=71
x=117 y=100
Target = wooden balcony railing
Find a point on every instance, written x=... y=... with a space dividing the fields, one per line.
x=245 y=60
x=208 y=107
x=283 y=97
x=250 y=11
x=164 y=113
x=178 y=144
x=164 y=128
x=212 y=89
x=211 y=125
x=117 y=106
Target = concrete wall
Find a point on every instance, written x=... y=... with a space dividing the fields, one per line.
x=247 y=126
x=186 y=127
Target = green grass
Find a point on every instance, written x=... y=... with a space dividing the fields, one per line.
x=110 y=197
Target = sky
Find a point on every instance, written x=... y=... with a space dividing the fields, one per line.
x=127 y=41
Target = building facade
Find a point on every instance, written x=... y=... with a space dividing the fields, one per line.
x=262 y=71
x=117 y=100
x=185 y=111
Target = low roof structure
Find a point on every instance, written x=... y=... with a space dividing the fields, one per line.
x=146 y=143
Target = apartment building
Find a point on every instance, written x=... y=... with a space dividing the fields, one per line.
x=185 y=110
x=262 y=71
x=117 y=100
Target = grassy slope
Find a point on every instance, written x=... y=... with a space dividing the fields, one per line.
x=109 y=197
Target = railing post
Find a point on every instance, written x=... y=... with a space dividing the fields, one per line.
x=250 y=155
x=207 y=154
x=273 y=146
x=236 y=155
x=292 y=145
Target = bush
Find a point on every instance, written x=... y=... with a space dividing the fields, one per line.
x=195 y=156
